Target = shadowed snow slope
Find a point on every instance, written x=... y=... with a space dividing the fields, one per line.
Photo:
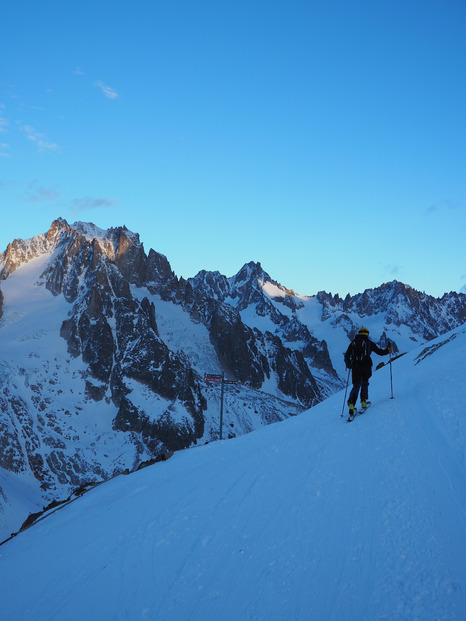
x=311 y=518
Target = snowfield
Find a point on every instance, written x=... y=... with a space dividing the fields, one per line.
x=311 y=518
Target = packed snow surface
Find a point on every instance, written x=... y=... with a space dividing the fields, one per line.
x=311 y=518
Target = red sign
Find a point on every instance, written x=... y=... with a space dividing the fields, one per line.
x=213 y=378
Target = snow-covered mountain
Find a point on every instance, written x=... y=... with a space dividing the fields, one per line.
x=321 y=325
x=104 y=351
x=310 y=518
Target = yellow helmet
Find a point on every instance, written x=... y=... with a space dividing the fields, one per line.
x=363 y=331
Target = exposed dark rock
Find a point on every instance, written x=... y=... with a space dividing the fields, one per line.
x=11 y=453
x=149 y=309
x=317 y=352
x=159 y=277
x=236 y=347
x=122 y=353
x=128 y=254
x=21 y=251
x=245 y=286
x=294 y=377
x=427 y=317
x=97 y=346
x=95 y=391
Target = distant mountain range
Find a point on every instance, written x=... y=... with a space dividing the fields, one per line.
x=104 y=352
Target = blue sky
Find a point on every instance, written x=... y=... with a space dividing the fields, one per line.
x=324 y=139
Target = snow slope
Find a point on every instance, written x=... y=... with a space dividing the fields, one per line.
x=37 y=369
x=311 y=518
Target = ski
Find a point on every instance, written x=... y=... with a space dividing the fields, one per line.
x=358 y=412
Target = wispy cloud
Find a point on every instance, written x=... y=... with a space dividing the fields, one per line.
x=39 y=139
x=39 y=193
x=393 y=269
x=89 y=203
x=4 y=149
x=106 y=90
x=9 y=90
x=4 y=125
x=447 y=205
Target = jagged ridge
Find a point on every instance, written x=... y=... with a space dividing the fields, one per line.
x=140 y=339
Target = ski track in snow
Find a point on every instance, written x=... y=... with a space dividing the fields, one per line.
x=310 y=518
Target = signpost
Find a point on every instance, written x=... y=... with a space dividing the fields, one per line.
x=219 y=379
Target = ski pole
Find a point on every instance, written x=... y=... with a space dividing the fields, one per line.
x=391 y=376
x=346 y=390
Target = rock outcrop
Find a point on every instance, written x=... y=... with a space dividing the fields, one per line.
x=119 y=379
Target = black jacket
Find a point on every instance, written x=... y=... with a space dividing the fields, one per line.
x=366 y=364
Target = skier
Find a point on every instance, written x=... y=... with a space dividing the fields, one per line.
x=358 y=359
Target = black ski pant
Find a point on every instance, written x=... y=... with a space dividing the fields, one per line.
x=360 y=378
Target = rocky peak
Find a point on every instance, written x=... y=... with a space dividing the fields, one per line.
x=58 y=228
x=212 y=284
x=251 y=271
x=140 y=360
x=246 y=285
x=128 y=254
x=159 y=277
x=122 y=241
x=121 y=246
x=23 y=250
x=426 y=316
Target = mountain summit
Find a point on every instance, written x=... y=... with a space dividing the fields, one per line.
x=104 y=352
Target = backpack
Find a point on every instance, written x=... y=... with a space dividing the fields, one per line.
x=358 y=353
